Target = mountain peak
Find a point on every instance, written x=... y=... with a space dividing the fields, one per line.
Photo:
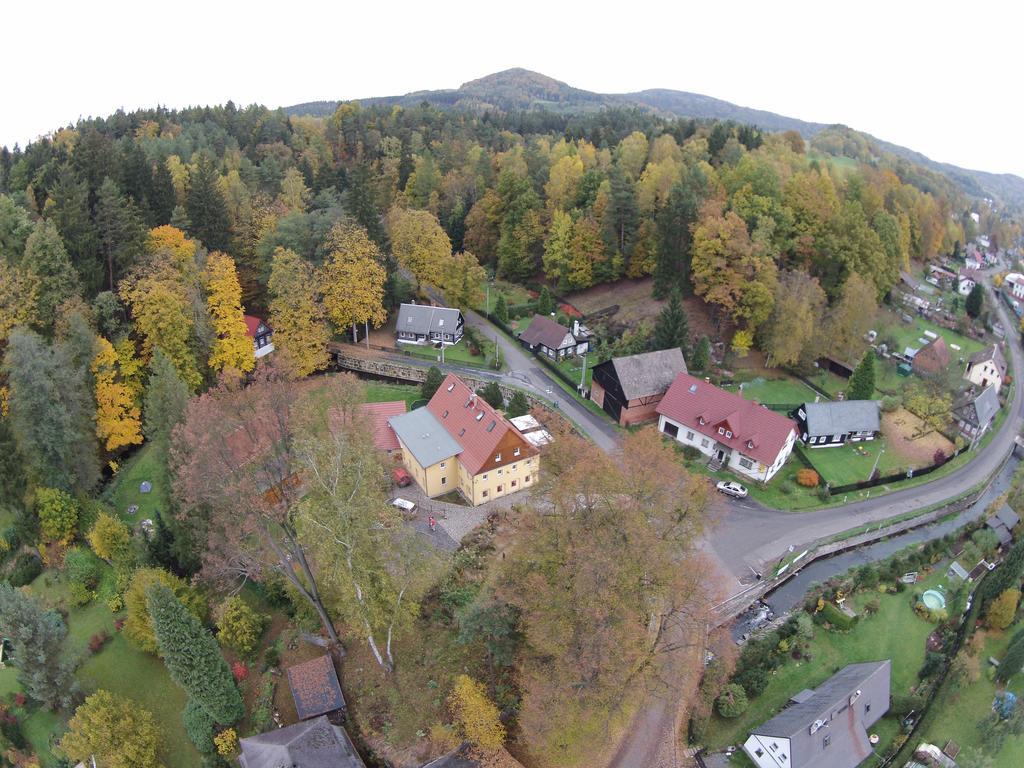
x=516 y=76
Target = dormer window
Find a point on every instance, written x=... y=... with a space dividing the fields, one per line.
x=479 y=416
x=728 y=434
x=702 y=421
x=750 y=443
x=445 y=414
x=497 y=457
x=721 y=430
x=515 y=451
x=440 y=322
x=451 y=386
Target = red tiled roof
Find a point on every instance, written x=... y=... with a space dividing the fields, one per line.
x=252 y=324
x=690 y=399
x=384 y=436
x=315 y=687
x=544 y=330
x=469 y=419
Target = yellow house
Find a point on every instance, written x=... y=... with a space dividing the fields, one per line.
x=458 y=441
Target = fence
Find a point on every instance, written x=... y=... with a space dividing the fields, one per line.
x=893 y=478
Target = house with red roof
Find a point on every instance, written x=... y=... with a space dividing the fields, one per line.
x=457 y=442
x=260 y=333
x=739 y=434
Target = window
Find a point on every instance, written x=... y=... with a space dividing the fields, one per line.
x=513 y=483
x=515 y=451
x=462 y=432
x=527 y=479
x=670 y=429
x=867 y=708
x=721 y=430
x=440 y=322
x=485 y=476
x=444 y=481
x=445 y=414
x=689 y=435
x=450 y=388
x=442 y=465
x=499 y=489
x=702 y=421
x=728 y=434
x=499 y=471
x=484 y=494
x=704 y=443
x=826 y=741
x=759 y=752
x=497 y=457
x=746 y=463
x=491 y=426
x=479 y=416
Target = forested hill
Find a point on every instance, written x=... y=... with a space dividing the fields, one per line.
x=515 y=90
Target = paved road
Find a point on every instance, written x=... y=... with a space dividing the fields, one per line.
x=752 y=536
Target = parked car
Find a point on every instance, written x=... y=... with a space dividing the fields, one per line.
x=405 y=505
x=731 y=488
x=402 y=478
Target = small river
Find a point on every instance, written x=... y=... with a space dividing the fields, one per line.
x=791 y=594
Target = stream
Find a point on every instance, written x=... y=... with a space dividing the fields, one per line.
x=790 y=594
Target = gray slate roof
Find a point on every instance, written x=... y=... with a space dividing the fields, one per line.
x=979 y=410
x=424 y=436
x=841 y=417
x=650 y=373
x=1007 y=516
x=847 y=725
x=312 y=744
x=546 y=332
x=424 y=319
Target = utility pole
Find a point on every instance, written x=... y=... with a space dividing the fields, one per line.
x=488 y=304
x=583 y=373
x=875 y=465
x=367 y=335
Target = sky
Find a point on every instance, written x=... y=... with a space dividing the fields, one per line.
x=939 y=77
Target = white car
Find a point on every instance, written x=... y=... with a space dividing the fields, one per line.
x=404 y=504
x=730 y=488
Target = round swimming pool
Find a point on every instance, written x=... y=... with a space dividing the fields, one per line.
x=933 y=600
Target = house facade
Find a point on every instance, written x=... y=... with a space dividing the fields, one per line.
x=749 y=439
x=966 y=280
x=261 y=334
x=1013 y=283
x=830 y=424
x=975 y=413
x=986 y=367
x=426 y=324
x=629 y=388
x=543 y=336
x=457 y=442
x=827 y=726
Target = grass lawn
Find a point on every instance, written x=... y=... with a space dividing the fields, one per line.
x=571 y=367
x=8 y=681
x=781 y=391
x=383 y=393
x=513 y=293
x=456 y=353
x=124 y=489
x=960 y=710
x=852 y=462
x=829 y=382
x=895 y=632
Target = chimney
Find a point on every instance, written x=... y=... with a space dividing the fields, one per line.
x=472 y=400
x=576 y=329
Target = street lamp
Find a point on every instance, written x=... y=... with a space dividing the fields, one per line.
x=875 y=465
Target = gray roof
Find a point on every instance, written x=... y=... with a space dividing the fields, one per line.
x=979 y=410
x=955 y=569
x=650 y=373
x=311 y=744
x=423 y=318
x=424 y=436
x=1007 y=516
x=839 y=708
x=841 y=417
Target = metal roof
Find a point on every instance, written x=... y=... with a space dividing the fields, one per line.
x=841 y=417
x=1008 y=517
x=424 y=436
x=424 y=319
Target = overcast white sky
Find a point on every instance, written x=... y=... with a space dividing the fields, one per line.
x=940 y=77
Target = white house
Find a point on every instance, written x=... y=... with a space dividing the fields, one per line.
x=966 y=280
x=261 y=334
x=986 y=367
x=1014 y=283
x=736 y=433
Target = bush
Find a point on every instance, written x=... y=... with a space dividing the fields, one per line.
x=272 y=656
x=690 y=453
x=239 y=671
x=808 y=478
x=80 y=594
x=786 y=488
x=732 y=702
x=83 y=567
x=753 y=680
x=199 y=726
x=891 y=403
x=824 y=493
x=239 y=626
x=27 y=567
x=1003 y=609
x=831 y=613
x=97 y=641
x=58 y=515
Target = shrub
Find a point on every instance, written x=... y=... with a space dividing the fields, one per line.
x=199 y=726
x=834 y=616
x=111 y=539
x=786 y=488
x=83 y=567
x=80 y=594
x=753 y=680
x=1003 y=609
x=27 y=567
x=227 y=742
x=732 y=702
x=824 y=493
x=239 y=671
x=272 y=656
x=97 y=641
x=239 y=626
x=690 y=453
x=139 y=627
x=808 y=478
x=891 y=403
x=58 y=514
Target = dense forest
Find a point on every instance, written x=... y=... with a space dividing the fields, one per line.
x=131 y=245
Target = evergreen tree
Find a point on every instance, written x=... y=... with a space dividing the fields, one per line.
x=162 y=200
x=122 y=232
x=501 y=309
x=545 y=302
x=180 y=219
x=432 y=383
x=48 y=265
x=1013 y=661
x=492 y=395
x=137 y=179
x=621 y=218
x=192 y=657
x=70 y=212
x=672 y=329
x=45 y=671
x=518 y=405
x=862 y=382
x=165 y=400
x=975 y=300
x=360 y=203
x=1006 y=576
x=206 y=207
x=681 y=211
x=701 y=358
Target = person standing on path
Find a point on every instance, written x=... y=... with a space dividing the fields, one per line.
x=432 y=522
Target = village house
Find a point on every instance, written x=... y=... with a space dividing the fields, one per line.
x=309 y=744
x=1002 y=523
x=260 y=333
x=986 y=366
x=932 y=358
x=942 y=276
x=457 y=442
x=543 y=336
x=1013 y=283
x=736 y=433
x=426 y=324
x=966 y=280
x=975 y=412
x=630 y=388
x=836 y=423
x=828 y=725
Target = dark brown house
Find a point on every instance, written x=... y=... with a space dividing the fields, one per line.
x=630 y=388
x=932 y=358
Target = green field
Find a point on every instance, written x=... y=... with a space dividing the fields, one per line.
x=572 y=366
x=895 y=633
x=383 y=393
x=852 y=463
x=784 y=391
x=456 y=353
x=124 y=489
x=514 y=294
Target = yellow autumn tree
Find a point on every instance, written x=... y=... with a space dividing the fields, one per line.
x=174 y=243
x=476 y=715
x=296 y=314
x=118 y=419
x=18 y=294
x=419 y=243
x=130 y=367
x=232 y=348
x=352 y=280
x=463 y=280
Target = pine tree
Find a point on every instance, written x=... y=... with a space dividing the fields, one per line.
x=49 y=267
x=1013 y=661
x=518 y=405
x=672 y=330
x=121 y=230
x=180 y=219
x=492 y=395
x=165 y=400
x=206 y=207
x=501 y=309
x=974 y=302
x=162 y=200
x=192 y=657
x=862 y=382
x=545 y=302
x=70 y=212
x=37 y=636
x=432 y=383
x=701 y=358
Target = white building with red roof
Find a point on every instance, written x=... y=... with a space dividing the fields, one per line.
x=459 y=442
x=736 y=433
x=260 y=333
